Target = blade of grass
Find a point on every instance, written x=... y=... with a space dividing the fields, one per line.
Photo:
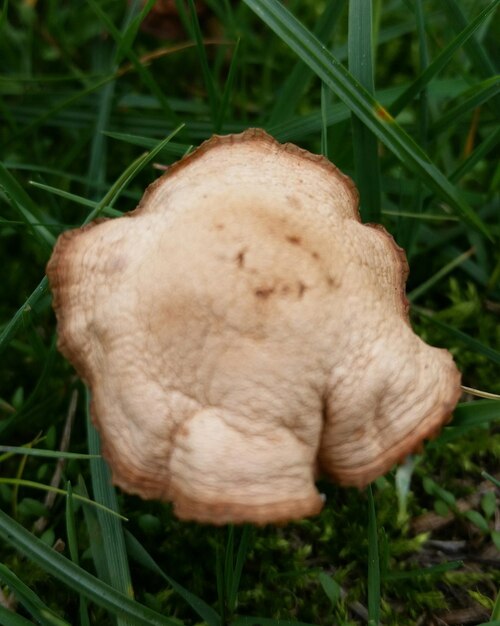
x=107 y=201
x=477 y=95
x=130 y=30
x=238 y=566
x=467 y=340
x=213 y=98
x=51 y=454
x=480 y=394
x=110 y=526
x=219 y=576
x=477 y=54
x=493 y=480
x=73 y=548
x=228 y=566
x=466 y=417
x=77 y=578
x=424 y=287
x=424 y=571
x=172 y=148
x=28 y=598
x=473 y=413
x=9 y=618
x=408 y=231
x=103 y=64
x=441 y=60
x=488 y=144
x=3 y=13
x=366 y=162
x=362 y=104
x=130 y=173
x=24 y=205
x=228 y=89
x=94 y=534
x=373 y=564
x=124 y=42
x=76 y=199
x=265 y=621
x=495 y=614
x=34 y=485
x=296 y=83
x=325 y=105
x=139 y=554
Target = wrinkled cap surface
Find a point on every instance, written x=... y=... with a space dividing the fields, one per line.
x=242 y=333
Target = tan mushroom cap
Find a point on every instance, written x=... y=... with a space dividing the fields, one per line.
x=241 y=330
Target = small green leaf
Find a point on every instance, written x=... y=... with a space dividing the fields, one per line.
x=489 y=504
x=495 y=536
x=478 y=520
x=330 y=587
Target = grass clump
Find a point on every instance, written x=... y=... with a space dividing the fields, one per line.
x=91 y=99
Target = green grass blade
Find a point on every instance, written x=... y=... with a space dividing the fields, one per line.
x=471 y=414
x=4 y=13
x=17 y=319
x=228 y=566
x=373 y=564
x=265 y=621
x=50 y=454
x=95 y=538
x=238 y=566
x=139 y=554
x=432 y=570
x=63 y=104
x=466 y=417
x=25 y=205
x=476 y=96
x=108 y=200
x=71 y=197
x=477 y=54
x=79 y=579
x=220 y=582
x=493 y=480
x=130 y=31
x=103 y=63
x=20 y=482
x=495 y=614
x=441 y=60
x=171 y=148
x=362 y=104
x=72 y=539
x=488 y=144
x=423 y=288
x=110 y=526
x=128 y=175
x=296 y=83
x=366 y=162
x=228 y=89
x=9 y=618
x=407 y=232
x=467 y=340
x=213 y=98
x=124 y=42
x=28 y=598
x=325 y=105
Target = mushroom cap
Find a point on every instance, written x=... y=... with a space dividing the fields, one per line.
x=241 y=331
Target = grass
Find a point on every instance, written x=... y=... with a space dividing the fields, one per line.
x=402 y=96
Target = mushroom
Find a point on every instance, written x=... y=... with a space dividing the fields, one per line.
x=242 y=332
